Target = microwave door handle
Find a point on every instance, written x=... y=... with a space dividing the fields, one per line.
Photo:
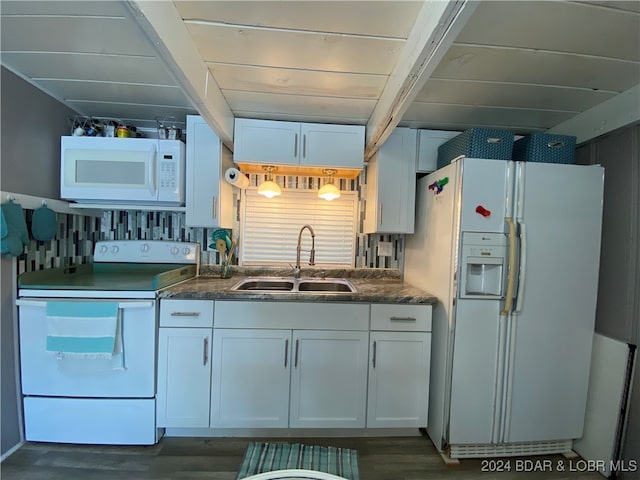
x=152 y=170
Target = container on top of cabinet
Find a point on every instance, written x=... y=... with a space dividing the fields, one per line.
x=545 y=148
x=492 y=143
x=298 y=148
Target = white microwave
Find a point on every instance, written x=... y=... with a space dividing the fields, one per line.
x=136 y=171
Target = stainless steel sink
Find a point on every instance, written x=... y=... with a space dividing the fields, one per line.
x=265 y=284
x=326 y=285
x=294 y=285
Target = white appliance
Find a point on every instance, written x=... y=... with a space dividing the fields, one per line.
x=511 y=250
x=99 y=400
x=139 y=171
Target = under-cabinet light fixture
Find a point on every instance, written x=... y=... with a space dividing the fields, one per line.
x=269 y=188
x=329 y=191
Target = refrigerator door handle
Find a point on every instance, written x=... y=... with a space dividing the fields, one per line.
x=523 y=267
x=512 y=266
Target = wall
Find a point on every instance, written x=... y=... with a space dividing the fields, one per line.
x=618 y=311
x=32 y=124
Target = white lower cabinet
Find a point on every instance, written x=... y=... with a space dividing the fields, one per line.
x=400 y=351
x=269 y=365
x=274 y=368
x=283 y=378
x=250 y=382
x=398 y=379
x=329 y=379
x=184 y=363
x=184 y=377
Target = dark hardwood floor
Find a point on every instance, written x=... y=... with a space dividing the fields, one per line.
x=175 y=458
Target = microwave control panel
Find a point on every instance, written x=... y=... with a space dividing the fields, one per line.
x=168 y=173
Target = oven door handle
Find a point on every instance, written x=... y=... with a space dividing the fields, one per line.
x=36 y=303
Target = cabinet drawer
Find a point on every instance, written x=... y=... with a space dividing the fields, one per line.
x=292 y=315
x=398 y=317
x=186 y=313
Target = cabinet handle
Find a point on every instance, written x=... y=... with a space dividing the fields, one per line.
x=185 y=314
x=380 y=213
x=295 y=364
x=205 y=351
x=286 y=352
x=214 y=209
x=402 y=319
x=304 y=146
x=295 y=146
x=375 y=344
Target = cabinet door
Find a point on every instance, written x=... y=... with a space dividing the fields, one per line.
x=428 y=143
x=266 y=141
x=391 y=185
x=209 y=198
x=184 y=376
x=399 y=379
x=250 y=381
x=329 y=379
x=332 y=145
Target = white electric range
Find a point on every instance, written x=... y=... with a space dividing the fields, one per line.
x=78 y=398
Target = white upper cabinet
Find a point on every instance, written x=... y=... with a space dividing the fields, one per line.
x=391 y=185
x=332 y=145
x=209 y=198
x=266 y=141
x=428 y=143
x=298 y=144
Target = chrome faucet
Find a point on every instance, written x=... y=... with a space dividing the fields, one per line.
x=312 y=253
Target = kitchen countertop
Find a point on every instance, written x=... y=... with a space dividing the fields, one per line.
x=372 y=286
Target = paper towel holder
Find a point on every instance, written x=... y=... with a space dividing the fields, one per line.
x=236 y=178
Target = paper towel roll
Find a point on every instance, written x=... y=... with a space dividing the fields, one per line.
x=236 y=178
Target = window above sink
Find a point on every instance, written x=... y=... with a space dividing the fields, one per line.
x=270 y=227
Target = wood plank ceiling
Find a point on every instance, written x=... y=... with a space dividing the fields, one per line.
x=522 y=65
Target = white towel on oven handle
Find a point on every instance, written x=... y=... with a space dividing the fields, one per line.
x=75 y=365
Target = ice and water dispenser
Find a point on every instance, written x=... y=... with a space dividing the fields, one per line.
x=484 y=264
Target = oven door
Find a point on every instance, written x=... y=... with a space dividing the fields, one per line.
x=130 y=374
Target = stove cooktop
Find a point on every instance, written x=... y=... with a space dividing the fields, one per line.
x=120 y=266
x=108 y=277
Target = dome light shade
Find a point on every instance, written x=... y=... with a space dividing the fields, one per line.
x=269 y=189
x=329 y=192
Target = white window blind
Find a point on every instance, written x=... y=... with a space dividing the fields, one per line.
x=270 y=227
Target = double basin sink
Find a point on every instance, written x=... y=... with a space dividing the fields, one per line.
x=294 y=285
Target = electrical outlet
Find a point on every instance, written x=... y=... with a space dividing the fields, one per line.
x=385 y=249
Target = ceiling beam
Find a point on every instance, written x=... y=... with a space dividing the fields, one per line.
x=618 y=111
x=436 y=27
x=165 y=28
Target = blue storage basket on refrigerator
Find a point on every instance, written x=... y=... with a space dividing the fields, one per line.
x=491 y=143
x=545 y=148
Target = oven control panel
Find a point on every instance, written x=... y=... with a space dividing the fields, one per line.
x=146 y=251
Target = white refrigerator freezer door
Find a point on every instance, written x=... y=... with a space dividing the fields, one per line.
x=561 y=206
x=485 y=193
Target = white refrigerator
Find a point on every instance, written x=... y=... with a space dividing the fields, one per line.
x=511 y=250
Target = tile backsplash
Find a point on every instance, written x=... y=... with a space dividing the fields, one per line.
x=77 y=234
x=73 y=244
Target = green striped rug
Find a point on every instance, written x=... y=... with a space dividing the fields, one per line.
x=267 y=457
